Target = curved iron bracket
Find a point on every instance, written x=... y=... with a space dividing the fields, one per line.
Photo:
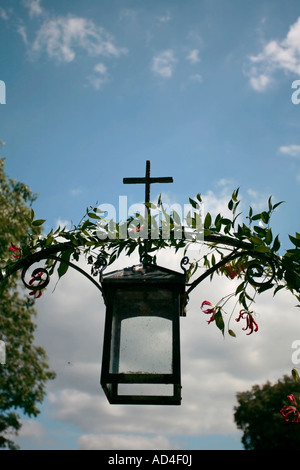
x=185 y=260
x=254 y=270
x=37 y=273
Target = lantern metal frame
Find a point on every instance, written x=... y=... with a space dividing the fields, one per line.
x=142 y=278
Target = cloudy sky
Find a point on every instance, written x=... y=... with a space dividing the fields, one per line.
x=206 y=90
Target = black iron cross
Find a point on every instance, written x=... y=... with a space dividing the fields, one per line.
x=148 y=180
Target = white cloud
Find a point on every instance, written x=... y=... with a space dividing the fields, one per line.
x=193 y=56
x=99 y=77
x=3 y=14
x=122 y=442
x=62 y=37
x=257 y=200
x=260 y=83
x=128 y=14
x=164 y=18
x=63 y=223
x=276 y=55
x=22 y=31
x=292 y=150
x=75 y=191
x=33 y=429
x=163 y=64
x=196 y=78
x=34 y=7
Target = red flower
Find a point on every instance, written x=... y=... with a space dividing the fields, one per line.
x=14 y=248
x=209 y=310
x=291 y=410
x=136 y=228
x=36 y=292
x=231 y=270
x=292 y=399
x=250 y=322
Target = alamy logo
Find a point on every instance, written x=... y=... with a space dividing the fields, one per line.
x=296 y=353
x=2 y=352
x=2 y=92
x=184 y=222
x=295 y=96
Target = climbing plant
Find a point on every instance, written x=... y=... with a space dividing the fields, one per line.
x=237 y=247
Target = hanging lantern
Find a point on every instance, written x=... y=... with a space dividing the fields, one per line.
x=141 y=350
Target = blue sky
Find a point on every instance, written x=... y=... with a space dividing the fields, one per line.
x=201 y=88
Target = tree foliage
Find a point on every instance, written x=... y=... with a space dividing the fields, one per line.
x=258 y=416
x=25 y=373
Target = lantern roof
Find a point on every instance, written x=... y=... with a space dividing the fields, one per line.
x=144 y=273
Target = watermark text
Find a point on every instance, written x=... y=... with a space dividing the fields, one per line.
x=151 y=221
x=296 y=353
x=296 y=94
x=2 y=352
x=2 y=92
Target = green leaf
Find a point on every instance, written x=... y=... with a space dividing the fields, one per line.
x=63 y=267
x=270 y=203
x=219 y=321
x=240 y=288
x=49 y=241
x=262 y=249
x=264 y=287
x=256 y=240
x=277 y=289
x=295 y=374
x=177 y=219
x=231 y=333
x=269 y=237
x=207 y=221
x=38 y=222
x=93 y=216
x=235 y=194
x=277 y=204
x=218 y=222
x=265 y=217
x=276 y=244
x=226 y=222
x=194 y=203
x=295 y=241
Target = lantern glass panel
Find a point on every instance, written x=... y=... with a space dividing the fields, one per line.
x=142 y=332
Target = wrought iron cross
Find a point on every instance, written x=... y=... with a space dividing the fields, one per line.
x=148 y=180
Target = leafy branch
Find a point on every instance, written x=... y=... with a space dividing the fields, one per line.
x=246 y=250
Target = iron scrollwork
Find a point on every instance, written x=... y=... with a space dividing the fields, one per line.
x=98 y=266
x=40 y=276
x=185 y=260
x=36 y=276
x=260 y=269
